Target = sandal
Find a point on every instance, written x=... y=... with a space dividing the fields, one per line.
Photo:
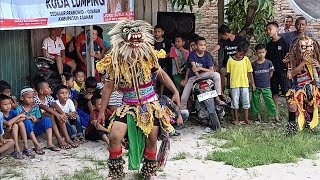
x=220 y=103
x=235 y=122
x=17 y=155
x=2 y=158
x=175 y=134
x=53 y=148
x=74 y=145
x=29 y=152
x=38 y=151
x=64 y=147
x=244 y=122
x=226 y=99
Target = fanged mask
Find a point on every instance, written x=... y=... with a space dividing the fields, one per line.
x=306 y=46
x=132 y=39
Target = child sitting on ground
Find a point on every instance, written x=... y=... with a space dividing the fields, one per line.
x=84 y=117
x=85 y=95
x=13 y=124
x=34 y=123
x=5 y=89
x=79 y=79
x=239 y=68
x=67 y=106
x=176 y=118
x=262 y=72
x=50 y=109
x=70 y=84
x=97 y=130
x=5 y=144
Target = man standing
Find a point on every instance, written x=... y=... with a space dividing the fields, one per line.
x=300 y=25
x=229 y=43
x=288 y=20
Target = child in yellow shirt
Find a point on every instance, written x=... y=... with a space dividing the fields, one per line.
x=239 y=68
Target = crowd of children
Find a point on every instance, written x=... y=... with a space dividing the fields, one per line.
x=74 y=105
x=65 y=113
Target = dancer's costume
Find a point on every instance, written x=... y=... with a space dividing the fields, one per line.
x=130 y=65
x=305 y=89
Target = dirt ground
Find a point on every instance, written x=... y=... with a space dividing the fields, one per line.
x=194 y=166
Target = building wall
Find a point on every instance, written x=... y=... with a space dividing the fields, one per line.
x=147 y=9
x=15 y=62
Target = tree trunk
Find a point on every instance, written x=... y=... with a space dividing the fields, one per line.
x=246 y=31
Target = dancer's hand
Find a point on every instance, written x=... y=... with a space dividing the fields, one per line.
x=176 y=98
x=286 y=58
x=101 y=117
x=315 y=63
x=180 y=120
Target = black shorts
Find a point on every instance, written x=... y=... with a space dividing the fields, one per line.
x=282 y=81
x=124 y=120
x=94 y=135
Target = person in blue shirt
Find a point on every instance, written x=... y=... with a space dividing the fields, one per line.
x=5 y=144
x=14 y=126
x=34 y=123
x=201 y=66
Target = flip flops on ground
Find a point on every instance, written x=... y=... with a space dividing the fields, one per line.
x=65 y=146
x=17 y=155
x=39 y=151
x=53 y=148
x=29 y=153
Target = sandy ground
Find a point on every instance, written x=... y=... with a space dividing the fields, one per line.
x=194 y=167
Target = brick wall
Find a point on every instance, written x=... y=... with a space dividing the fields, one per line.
x=207 y=25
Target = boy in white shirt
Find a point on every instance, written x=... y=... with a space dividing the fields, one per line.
x=67 y=106
x=53 y=48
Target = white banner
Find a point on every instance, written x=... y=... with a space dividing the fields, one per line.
x=31 y=14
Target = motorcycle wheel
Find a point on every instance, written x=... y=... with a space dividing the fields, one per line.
x=214 y=120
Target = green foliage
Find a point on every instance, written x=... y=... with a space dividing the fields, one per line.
x=249 y=16
x=179 y=156
x=191 y=3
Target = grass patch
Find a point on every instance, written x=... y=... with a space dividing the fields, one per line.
x=44 y=177
x=10 y=173
x=98 y=162
x=260 y=145
x=180 y=155
x=85 y=174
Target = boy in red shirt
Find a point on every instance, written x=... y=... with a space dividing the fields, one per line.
x=96 y=130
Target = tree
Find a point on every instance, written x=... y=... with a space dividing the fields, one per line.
x=246 y=17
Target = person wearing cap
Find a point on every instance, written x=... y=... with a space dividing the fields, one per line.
x=34 y=123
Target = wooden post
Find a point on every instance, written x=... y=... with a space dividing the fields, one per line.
x=220 y=22
x=89 y=49
x=220 y=12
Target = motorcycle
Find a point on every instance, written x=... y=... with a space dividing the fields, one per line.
x=208 y=113
x=47 y=69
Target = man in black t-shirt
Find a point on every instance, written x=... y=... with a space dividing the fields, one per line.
x=277 y=50
x=229 y=43
x=165 y=44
